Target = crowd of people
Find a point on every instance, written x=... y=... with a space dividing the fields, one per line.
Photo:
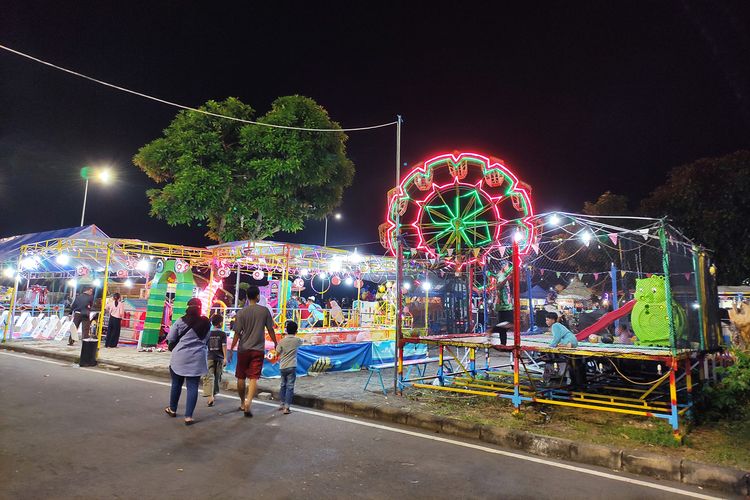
x=199 y=349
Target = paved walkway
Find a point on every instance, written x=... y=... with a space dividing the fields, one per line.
x=344 y=386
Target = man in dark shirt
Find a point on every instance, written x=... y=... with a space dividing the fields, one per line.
x=81 y=309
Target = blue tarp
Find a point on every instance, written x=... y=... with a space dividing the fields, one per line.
x=340 y=357
x=10 y=246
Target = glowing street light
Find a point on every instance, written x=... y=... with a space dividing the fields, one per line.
x=554 y=220
x=336 y=216
x=8 y=272
x=103 y=175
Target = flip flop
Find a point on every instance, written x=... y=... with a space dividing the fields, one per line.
x=169 y=411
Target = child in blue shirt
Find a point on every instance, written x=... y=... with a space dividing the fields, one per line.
x=561 y=336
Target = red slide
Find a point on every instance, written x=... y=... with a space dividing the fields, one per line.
x=606 y=320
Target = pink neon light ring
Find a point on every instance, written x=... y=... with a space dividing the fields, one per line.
x=407 y=202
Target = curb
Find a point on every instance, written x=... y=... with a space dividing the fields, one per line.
x=716 y=477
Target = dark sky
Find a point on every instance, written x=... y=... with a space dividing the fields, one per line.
x=579 y=97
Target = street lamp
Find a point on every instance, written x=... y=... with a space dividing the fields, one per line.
x=103 y=175
x=336 y=216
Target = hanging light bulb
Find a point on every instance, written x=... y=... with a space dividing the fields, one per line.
x=586 y=238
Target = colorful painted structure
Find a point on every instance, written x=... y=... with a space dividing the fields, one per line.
x=171 y=275
x=445 y=229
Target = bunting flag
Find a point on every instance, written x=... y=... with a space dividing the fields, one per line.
x=450 y=252
x=648 y=275
x=644 y=233
x=558 y=274
x=580 y=276
x=535 y=246
x=501 y=249
x=613 y=238
x=476 y=252
x=622 y=274
x=541 y=272
x=687 y=276
x=596 y=276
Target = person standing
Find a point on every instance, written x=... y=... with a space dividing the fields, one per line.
x=81 y=309
x=249 y=326
x=116 y=308
x=187 y=340
x=217 y=354
x=287 y=350
x=304 y=311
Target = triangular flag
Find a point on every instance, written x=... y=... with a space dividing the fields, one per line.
x=501 y=249
x=476 y=252
x=541 y=272
x=535 y=246
x=644 y=233
x=580 y=276
x=687 y=276
x=558 y=274
x=613 y=238
x=450 y=252
x=648 y=275
x=596 y=276
x=622 y=274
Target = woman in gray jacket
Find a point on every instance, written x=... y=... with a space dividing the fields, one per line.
x=187 y=340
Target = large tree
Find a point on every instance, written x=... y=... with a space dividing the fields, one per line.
x=607 y=204
x=247 y=181
x=710 y=200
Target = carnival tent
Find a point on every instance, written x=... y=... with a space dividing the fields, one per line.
x=575 y=291
x=10 y=247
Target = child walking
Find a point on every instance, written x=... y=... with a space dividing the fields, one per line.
x=287 y=350
x=217 y=358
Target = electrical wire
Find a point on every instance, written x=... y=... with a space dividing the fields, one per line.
x=658 y=380
x=189 y=108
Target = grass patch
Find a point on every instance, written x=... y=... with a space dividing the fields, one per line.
x=718 y=443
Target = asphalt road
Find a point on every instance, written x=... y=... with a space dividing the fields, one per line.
x=68 y=432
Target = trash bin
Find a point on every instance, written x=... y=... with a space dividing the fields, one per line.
x=88 y=352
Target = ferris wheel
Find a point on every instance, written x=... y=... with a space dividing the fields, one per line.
x=458 y=207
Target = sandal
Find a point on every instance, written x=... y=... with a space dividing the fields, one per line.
x=169 y=411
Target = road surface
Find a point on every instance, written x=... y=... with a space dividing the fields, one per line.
x=69 y=432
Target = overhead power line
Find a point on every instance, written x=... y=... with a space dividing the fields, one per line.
x=189 y=108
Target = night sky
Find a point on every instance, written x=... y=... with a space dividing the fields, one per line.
x=578 y=97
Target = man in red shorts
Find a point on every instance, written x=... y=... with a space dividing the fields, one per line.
x=249 y=326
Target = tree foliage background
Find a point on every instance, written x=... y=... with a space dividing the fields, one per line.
x=246 y=181
x=709 y=199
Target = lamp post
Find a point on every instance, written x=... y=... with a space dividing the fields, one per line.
x=336 y=216
x=104 y=175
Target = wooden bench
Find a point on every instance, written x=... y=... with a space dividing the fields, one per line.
x=420 y=363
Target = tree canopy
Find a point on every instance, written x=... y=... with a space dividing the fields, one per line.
x=247 y=181
x=607 y=204
x=710 y=200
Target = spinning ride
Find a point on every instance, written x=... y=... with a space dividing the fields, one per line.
x=459 y=207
